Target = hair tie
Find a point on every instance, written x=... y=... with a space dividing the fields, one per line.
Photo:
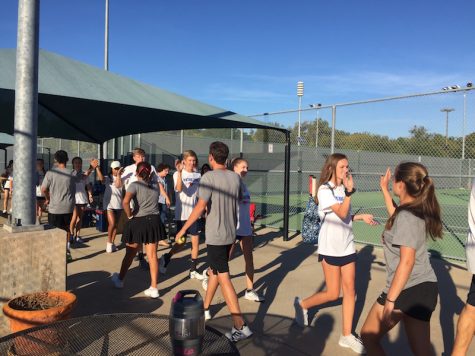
x=144 y=168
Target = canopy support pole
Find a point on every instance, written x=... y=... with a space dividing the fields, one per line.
x=26 y=113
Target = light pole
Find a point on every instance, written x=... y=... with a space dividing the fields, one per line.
x=316 y=106
x=464 y=127
x=447 y=110
x=299 y=95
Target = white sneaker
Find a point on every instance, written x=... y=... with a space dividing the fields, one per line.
x=151 y=292
x=301 y=314
x=196 y=275
x=237 y=335
x=353 y=343
x=204 y=284
x=109 y=247
x=207 y=315
x=117 y=281
x=253 y=296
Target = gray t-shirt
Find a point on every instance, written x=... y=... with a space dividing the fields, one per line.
x=145 y=198
x=62 y=188
x=407 y=230
x=220 y=189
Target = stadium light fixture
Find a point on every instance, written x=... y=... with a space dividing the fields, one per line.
x=447 y=110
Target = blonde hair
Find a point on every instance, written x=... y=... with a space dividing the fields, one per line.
x=425 y=205
x=189 y=153
x=138 y=151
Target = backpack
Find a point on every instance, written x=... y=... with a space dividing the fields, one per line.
x=312 y=223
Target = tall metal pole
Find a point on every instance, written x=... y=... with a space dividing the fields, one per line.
x=182 y=139
x=464 y=126
x=106 y=53
x=240 y=145
x=299 y=95
x=106 y=39
x=316 y=134
x=447 y=110
x=26 y=112
x=286 y=186
x=332 y=148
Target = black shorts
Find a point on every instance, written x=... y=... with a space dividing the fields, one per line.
x=61 y=221
x=218 y=257
x=418 y=301
x=40 y=199
x=193 y=230
x=337 y=261
x=471 y=293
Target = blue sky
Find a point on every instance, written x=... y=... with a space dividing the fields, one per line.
x=247 y=56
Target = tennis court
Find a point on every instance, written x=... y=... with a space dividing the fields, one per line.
x=453 y=202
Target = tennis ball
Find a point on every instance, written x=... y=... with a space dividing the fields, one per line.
x=181 y=240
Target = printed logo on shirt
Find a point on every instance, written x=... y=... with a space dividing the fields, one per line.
x=192 y=179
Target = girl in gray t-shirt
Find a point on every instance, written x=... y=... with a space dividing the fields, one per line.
x=411 y=290
x=143 y=226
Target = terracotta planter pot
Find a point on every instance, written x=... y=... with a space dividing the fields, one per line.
x=25 y=319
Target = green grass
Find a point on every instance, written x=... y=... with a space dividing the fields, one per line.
x=453 y=203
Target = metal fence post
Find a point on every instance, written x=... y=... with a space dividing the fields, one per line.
x=286 y=186
x=240 y=145
x=26 y=112
x=333 y=129
x=182 y=141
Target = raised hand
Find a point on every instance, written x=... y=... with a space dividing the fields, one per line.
x=348 y=182
x=94 y=163
x=384 y=181
x=179 y=165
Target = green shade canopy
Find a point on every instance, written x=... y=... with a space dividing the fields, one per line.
x=80 y=102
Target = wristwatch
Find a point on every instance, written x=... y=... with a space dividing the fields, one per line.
x=348 y=194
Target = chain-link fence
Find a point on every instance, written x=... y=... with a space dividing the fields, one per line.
x=437 y=130
x=374 y=136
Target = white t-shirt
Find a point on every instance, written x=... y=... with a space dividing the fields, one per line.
x=81 y=195
x=336 y=235
x=128 y=175
x=470 y=246
x=112 y=195
x=244 y=227
x=187 y=198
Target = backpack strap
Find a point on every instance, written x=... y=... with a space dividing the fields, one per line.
x=333 y=193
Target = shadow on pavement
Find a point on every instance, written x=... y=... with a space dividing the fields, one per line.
x=278 y=335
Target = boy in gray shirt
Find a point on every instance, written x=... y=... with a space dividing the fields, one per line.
x=59 y=188
x=219 y=191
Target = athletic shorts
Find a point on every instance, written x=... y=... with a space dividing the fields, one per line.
x=61 y=221
x=81 y=205
x=418 y=301
x=218 y=257
x=192 y=230
x=471 y=293
x=337 y=261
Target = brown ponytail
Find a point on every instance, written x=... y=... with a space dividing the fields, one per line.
x=425 y=205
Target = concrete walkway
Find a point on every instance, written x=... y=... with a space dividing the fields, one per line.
x=283 y=271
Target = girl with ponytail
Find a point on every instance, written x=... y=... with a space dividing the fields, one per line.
x=411 y=289
x=144 y=226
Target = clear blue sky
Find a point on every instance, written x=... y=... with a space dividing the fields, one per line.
x=246 y=56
